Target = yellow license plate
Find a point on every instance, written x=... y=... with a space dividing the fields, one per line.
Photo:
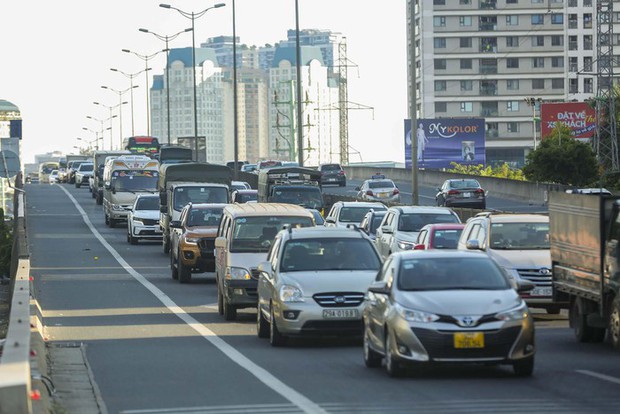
x=469 y=340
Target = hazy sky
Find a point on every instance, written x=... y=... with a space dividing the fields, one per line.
x=57 y=54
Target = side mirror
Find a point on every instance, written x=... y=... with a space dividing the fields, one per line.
x=330 y=220
x=265 y=268
x=438 y=188
x=524 y=286
x=379 y=287
x=175 y=224
x=386 y=229
x=473 y=245
x=220 y=242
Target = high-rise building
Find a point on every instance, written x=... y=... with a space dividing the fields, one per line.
x=489 y=58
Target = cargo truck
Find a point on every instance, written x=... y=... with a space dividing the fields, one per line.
x=584 y=234
x=291 y=185
x=195 y=182
x=99 y=160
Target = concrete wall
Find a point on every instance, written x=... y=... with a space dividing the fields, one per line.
x=534 y=193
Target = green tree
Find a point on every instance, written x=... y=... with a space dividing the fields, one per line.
x=562 y=159
x=500 y=171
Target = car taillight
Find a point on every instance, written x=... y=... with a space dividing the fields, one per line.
x=479 y=191
x=369 y=193
x=453 y=192
x=396 y=191
x=341 y=172
x=419 y=247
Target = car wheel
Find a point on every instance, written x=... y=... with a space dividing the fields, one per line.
x=614 y=323
x=275 y=337
x=92 y=193
x=262 y=327
x=439 y=201
x=372 y=359
x=220 y=301
x=106 y=219
x=77 y=185
x=230 y=311
x=393 y=367
x=578 y=321
x=524 y=367
x=185 y=272
x=173 y=267
x=165 y=242
x=99 y=199
x=132 y=239
x=343 y=184
x=112 y=222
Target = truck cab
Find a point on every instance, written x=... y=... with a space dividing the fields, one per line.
x=291 y=185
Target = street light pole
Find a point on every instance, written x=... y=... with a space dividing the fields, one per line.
x=146 y=75
x=193 y=16
x=300 y=132
x=235 y=104
x=413 y=104
x=167 y=39
x=532 y=104
x=120 y=111
x=131 y=87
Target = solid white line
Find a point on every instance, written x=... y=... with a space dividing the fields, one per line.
x=264 y=376
x=599 y=376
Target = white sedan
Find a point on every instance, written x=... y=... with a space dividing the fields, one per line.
x=383 y=190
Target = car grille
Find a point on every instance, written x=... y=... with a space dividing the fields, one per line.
x=338 y=299
x=149 y=222
x=207 y=245
x=534 y=276
x=254 y=273
x=497 y=344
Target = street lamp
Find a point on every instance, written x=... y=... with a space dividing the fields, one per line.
x=235 y=104
x=167 y=39
x=111 y=108
x=193 y=16
x=131 y=85
x=532 y=102
x=96 y=140
x=120 y=111
x=146 y=59
x=102 y=121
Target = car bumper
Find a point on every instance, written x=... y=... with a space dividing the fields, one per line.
x=390 y=199
x=241 y=293
x=308 y=319
x=194 y=257
x=142 y=231
x=465 y=202
x=333 y=180
x=119 y=214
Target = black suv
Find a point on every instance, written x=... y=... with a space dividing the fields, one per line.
x=332 y=174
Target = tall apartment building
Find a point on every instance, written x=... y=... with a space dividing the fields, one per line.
x=486 y=58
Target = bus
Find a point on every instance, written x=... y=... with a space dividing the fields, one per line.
x=142 y=145
x=45 y=169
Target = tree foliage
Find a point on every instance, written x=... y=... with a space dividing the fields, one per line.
x=501 y=171
x=562 y=159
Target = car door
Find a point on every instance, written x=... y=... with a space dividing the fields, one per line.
x=175 y=234
x=376 y=307
x=384 y=237
x=222 y=252
x=267 y=281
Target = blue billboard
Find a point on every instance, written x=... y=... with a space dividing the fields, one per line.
x=445 y=140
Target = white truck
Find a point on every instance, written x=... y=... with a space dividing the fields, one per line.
x=196 y=182
x=124 y=178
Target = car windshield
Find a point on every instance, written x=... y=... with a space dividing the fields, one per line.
x=376 y=221
x=245 y=197
x=321 y=254
x=381 y=184
x=519 y=236
x=446 y=238
x=205 y=216
x=85 y=168
x=451 y=273
x=255 y=234
x=464 y=184
x=199 y=194
x=331 y=167
x=134 y=180
x=147 y=203
x=309 y=197
x=415 y=221
x=353 y=214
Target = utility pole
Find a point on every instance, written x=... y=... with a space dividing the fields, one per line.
x=413 y=104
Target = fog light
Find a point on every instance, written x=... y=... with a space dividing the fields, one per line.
x=529 y=348
x=403 y=350
x=238 y=292
x=290 y=314
x=188 y=255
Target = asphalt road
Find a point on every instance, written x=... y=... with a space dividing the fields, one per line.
x=155 y=346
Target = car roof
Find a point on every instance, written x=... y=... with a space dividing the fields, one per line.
x=444 y=226
x=369 y=204
x=200 y=206
x=423 y=209
x=439 y=254
x=518 y=218
x=246 y=191
x=263 y=209
x=321 y=232
x=147 y=196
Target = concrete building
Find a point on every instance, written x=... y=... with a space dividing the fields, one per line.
x=487 y=58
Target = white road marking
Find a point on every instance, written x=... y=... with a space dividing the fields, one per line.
x=599 y=376
x=264 y=376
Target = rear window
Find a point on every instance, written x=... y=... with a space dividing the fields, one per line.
x=353 y=214
x=147 y=203
x=415 y=221
x=329 y=254
x=464 y=184
x=205 y=217
x=331 y=167
x=381 y=184
x=446 y=239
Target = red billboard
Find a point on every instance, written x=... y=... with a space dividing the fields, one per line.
x=578 y=116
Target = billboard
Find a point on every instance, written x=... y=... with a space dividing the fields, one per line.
x=578 y=116
x=442 y=141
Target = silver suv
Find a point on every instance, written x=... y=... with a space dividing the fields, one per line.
x=519 y=243
x=400 y=227
x=313 y=283
x=344 y=213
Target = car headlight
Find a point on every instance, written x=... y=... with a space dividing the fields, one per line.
x=117 y=207
x=237 y=273
x=413 y=315
x=192 y=240
x=290 y=294
x=405 y=245
x=138 y=221
x=515 y=314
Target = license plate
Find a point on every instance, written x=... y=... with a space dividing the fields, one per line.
x=469 y=340
x=382 y=195
x=340 y=313
x=332 y=179
x=541 y=291
x=466 y=195
x=157 y=230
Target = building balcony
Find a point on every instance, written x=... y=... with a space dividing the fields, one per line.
x=488 y=112
x=488 y=91
x=487 y=69
x=487 y=27
x=488 y=4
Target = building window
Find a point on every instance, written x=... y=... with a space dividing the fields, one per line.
x=538 y=18
x=512 y=84
x=557 y=83
x=573 y=64
x=439 y=21
x=440 y=85
x=512 y=106
x=512 y=20
x=463 y=2
x=538 y=84
x=557 y=62
x=587 y=42
x=467 y=107
x=466 y=64
x=439 y=42
x=512 y=126
x=441 y=107
x=467 y=85
x=557 y=18
x=588 y=85
x=587 y=64
x=587 y=20
x=557 y=40
x=512 y=41
x=538 y=62
x=465 y=42
x=512 y=1
x=465 y=21
x=440 y=64
x=512 y=63
x=572 y=43
x=439 y=2
x=538 y=41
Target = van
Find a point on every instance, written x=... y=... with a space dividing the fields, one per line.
x=244 y=237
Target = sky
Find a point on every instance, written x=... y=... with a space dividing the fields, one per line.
x=56 y=55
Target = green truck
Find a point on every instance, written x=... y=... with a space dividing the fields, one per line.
x=291 y=185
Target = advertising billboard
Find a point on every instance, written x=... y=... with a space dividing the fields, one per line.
x=578 y=116
x=445 y=140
